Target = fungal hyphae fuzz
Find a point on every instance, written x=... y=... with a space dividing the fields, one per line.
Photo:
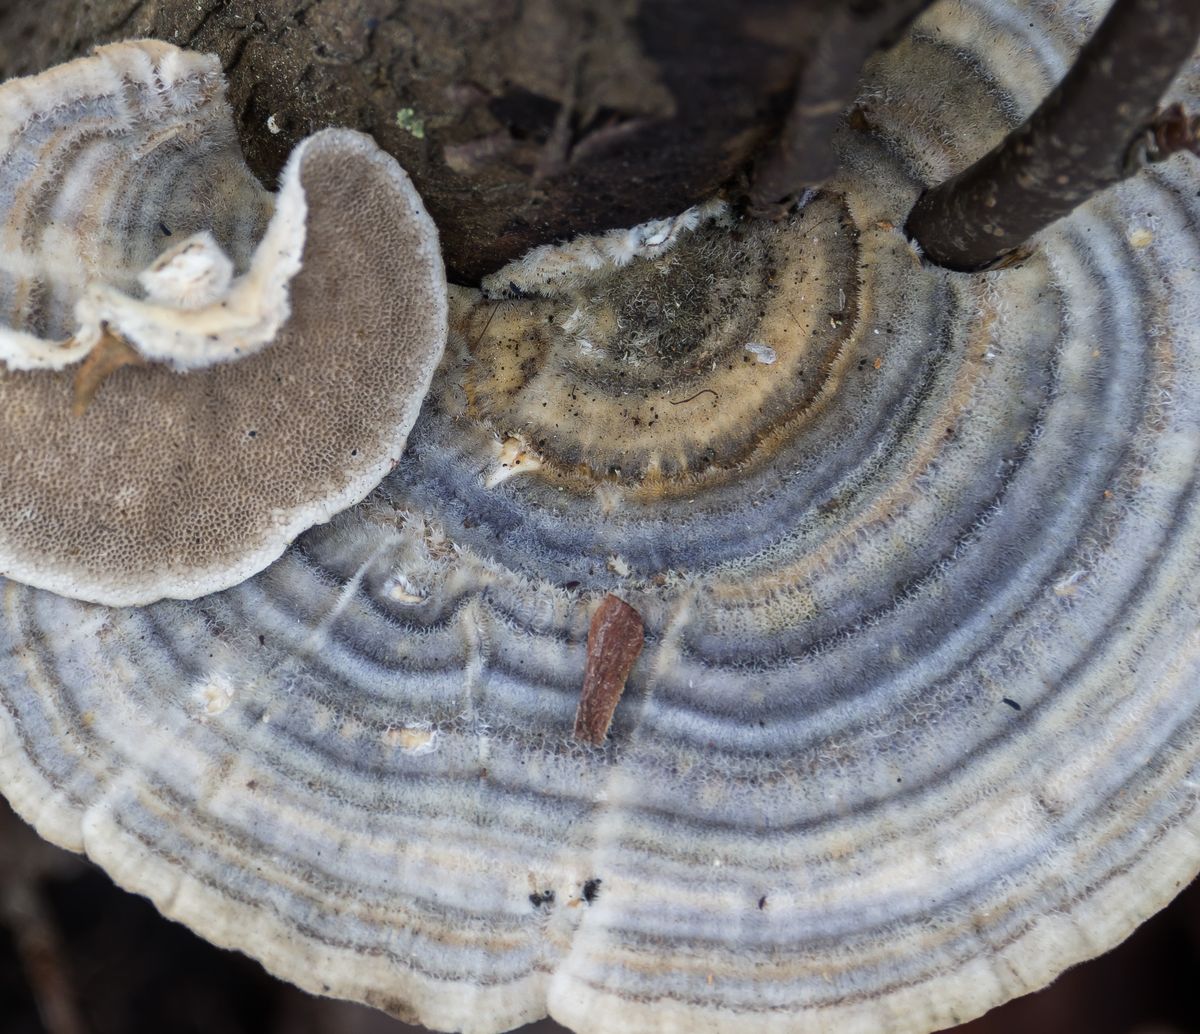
x=220 y=408
x=763 y=629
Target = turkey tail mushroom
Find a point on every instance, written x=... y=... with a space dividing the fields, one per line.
x=310 y=325
x=915 y=720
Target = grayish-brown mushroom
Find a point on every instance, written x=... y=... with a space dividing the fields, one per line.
x=308 y=339
x=916 y=722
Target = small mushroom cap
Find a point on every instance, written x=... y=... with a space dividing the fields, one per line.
x=915 y=724
x=169 y=484
x=107 y=161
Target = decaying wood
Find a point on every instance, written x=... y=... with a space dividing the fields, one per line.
x=1174 y=129
x=519 y=122
x=615 y=639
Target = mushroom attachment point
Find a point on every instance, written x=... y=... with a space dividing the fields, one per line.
x=192 y=370
x=915 y=555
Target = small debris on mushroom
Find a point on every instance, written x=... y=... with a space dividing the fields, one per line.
x=615 y=639
x=513 y=457
x=763 y=353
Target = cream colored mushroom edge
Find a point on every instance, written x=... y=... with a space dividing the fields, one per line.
x=915 y=556
x=192 y=371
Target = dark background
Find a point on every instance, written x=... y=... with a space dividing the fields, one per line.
x=79 y=956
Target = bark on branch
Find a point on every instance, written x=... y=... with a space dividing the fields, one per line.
x=1078 y=142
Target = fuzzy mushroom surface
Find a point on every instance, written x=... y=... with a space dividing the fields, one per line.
x=193 y=371
x=906 y=713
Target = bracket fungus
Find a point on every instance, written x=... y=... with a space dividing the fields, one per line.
x=816 y=807
x=263 y=358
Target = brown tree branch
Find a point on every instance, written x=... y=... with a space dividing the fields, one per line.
x=1077 y=143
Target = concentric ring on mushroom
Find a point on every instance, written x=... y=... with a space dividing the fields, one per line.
x=914 y=723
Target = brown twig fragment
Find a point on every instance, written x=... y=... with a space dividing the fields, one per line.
x=1074 y=145
x=43 y=959
x=101 y=363
x=615 y=639
x=25 y=864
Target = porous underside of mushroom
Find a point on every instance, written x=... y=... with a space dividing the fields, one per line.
x=333 y=307
x=916 y=723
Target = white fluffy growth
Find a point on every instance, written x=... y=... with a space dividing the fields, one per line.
x=552 y=267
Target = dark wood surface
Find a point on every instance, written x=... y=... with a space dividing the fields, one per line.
x=520 y=121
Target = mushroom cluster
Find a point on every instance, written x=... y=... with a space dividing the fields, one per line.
x=262 y=358
x=882 y=581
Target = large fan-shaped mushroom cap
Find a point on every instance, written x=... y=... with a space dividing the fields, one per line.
x=915 y=555
x=309 y=338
